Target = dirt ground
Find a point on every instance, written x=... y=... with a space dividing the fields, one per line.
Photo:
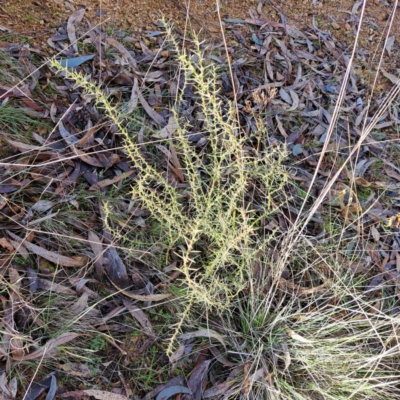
x=36 y=18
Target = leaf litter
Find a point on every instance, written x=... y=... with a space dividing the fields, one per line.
x=299 y=89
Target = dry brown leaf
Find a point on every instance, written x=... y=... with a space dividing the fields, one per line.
x=20 y=249
x=76 y=369
x=97 y=248
x=140 y=297
x=49 y=346
x=45 y=284
x=43 y=206
x=152 y=114
x=6 y=244
x=115 y=268
x=392 y=174
x=281 y=128
x=203 y=333
x=93 y=161
x=392 y=78
x=375 y=233
x=140 y=316
x=49 y=255
x=75 y=18
x=176 y=163
x=173 y=161
x=8 y=390
x=88 y=135
x=107 y=182
x=133 y=101
x=300 y=290
x=168 y=130
x=97 y=394
x=21 y=146
x=221 y=359
x=80 y=305
x=123 y=51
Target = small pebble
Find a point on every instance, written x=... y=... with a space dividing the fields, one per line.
x=335 y=25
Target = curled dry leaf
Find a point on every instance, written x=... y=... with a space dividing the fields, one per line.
x=67 y=136
x=49 y=255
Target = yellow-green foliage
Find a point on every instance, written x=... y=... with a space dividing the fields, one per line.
x=213 y=212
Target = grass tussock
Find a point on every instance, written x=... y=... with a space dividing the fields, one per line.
x=299 y=329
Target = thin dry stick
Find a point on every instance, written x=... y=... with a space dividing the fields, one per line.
x=353 y=177
x=229 y=64
x=296 y=231
x=335 y=115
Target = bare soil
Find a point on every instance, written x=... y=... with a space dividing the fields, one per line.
x=37 y=17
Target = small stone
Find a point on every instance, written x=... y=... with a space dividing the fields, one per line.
x=279 y=77
x=335 y=25
x=347 y=26
x=41 y=22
